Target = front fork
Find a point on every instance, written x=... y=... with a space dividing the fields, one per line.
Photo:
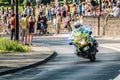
x=79 y=52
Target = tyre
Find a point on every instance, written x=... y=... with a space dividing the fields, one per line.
x=92 y=57
x=77 y=53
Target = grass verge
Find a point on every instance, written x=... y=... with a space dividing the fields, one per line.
x=7 y=46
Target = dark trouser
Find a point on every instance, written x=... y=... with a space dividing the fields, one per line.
x=12 y=34
x=69 y=27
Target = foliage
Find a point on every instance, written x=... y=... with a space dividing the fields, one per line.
x=20 y=1
x=9 y=1
x=3 y=0
x=32 y=1
x=25 y=2
x=46 y=1
x=7 y=45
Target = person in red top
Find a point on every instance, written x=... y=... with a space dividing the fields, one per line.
x=31 y=26
x=67 y=7
x=12 y=25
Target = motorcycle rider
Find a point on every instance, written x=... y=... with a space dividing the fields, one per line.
x=80 y=28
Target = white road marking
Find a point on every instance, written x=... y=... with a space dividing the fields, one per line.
x=108 y=46
x=117 y=78
x=117 y=49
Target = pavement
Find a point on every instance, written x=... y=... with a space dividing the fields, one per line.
x=13 y=62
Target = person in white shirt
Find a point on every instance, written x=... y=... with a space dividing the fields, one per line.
x=55 y=23
x=115 y=10
x=118 y=10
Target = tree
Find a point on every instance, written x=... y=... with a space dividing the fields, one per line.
x=3 y=0
x=21 y=1
x=32 y=2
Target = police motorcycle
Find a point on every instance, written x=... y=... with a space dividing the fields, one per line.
x=84 y=42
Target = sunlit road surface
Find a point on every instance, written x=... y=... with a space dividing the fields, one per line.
x=67 y=66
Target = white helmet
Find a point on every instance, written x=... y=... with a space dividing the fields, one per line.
x=77 y=24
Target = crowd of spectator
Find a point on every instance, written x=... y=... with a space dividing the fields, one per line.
x=35 y=19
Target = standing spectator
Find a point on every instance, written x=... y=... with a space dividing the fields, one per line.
x=87 y=9
x=7 y=12
x=33 y=10
x=29 y=11
x=31 y=26
x=39 y=29
x=37 y=11
x=4 y=18
x=4 y=22
x=41 y=10
x=8 y=25
x=2 y=10
x=55 y=23
x=63 y=11
x=80 y=8
x=24 y=24
x=58 y=23
x=64 y=20
x=83 y=8
x=68 y=18
x=44 y=24
x=74 y=12
x=94 y=4
x=52 y=10
x=98 y=12
x=115 y=10
x=12 y=25
x=103 y=5
x=67 y=7
x=49 y=12
x=119 y=10
x=59 y=10
x=110 y=12
x=25 y=10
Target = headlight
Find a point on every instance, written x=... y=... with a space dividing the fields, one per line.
x=82 y=42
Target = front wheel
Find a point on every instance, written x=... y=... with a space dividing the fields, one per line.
x=92 y=57
x=77 y=53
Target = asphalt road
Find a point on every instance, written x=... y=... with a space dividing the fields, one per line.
x=67 y=66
